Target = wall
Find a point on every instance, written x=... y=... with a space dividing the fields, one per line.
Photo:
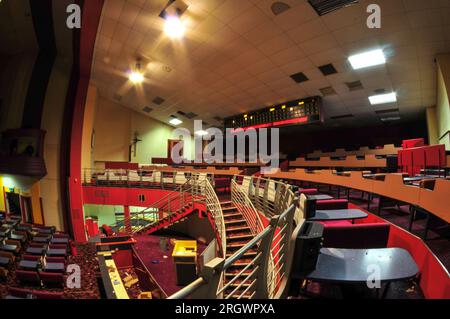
x=88 y=127
x=443 y=106
x=298 y=141
x=115 y=127
x=432 y=126
x=15 y=73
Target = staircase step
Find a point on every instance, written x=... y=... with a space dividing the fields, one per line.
x=243 y=236
x=231 y=208
x=238 y=228
x=227 y=202
x=247 y=254
x=235 y=221
x=232 y=215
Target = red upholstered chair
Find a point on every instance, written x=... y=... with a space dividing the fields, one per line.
x=31 y=257
x=55 y=259
x=3 y=274
x=108 y=231
x=38 y=294
x=356 y=236
x=329 y=204
x=52 y=279
x=30 y=277
x=19 y=292
x=308 y=191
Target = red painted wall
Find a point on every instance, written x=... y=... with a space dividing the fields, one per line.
x=122 y=196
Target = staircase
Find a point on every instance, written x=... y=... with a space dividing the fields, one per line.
x=184 y=209
x=238 y=235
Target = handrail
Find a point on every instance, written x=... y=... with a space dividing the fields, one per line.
x=269 y=196
x=189 y=289
x=245 y=206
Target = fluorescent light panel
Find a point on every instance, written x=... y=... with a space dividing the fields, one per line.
x=175 y=121
x=383 y=98
x=367 y=59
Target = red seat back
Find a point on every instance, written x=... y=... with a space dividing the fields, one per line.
x=356 y=236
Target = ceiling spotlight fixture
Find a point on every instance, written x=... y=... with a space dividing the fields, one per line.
x=136 y=76
x=175 y=121
x=174 y=27
x=367 y=59
x=201 y=133
x=383 y=98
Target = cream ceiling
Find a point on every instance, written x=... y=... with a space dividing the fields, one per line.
x=237 y=56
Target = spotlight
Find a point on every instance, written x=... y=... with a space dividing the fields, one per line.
x=136 y=76
x=174 y=27
x=175 y=121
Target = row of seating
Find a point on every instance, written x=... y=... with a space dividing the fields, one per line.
x=388 y=149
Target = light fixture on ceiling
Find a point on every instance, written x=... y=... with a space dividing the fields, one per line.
x=367 y=59
x=175 y=121
x=136 y=76
x=174 y=27
x=201 y=133
x=383 y=98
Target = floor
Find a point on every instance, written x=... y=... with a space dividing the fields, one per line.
x=159 y=261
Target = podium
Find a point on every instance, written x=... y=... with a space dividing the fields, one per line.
x=185 y=258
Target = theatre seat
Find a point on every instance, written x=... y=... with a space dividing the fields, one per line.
x=47 y=295
x=19 y=292
x=3 y=274
x=332 y=204
x=30 y=277
x=52 y=279
x=356 y=236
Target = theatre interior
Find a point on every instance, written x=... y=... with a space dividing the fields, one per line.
x=350 y=97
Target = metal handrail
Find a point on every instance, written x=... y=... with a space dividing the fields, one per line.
x=269 y=196
x=245 y=206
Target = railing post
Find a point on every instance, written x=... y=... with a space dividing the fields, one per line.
x=262 y=290
x=211 y=273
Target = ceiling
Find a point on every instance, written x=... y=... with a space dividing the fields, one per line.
x=238 y=56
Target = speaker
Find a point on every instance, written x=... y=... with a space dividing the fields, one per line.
x=307 y=249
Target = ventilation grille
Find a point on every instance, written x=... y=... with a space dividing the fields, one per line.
x=387 y=111
x=323 y=7
x=354 y=86
x=327 y=91
x=340 y=117
x=158 y=100
x=380 y=91
x=147 y=109
x=327 y=69
x=279 y=7
x=189 y=115
x=299 y=77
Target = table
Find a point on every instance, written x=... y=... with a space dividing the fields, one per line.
x=28 y=264
x=35 y=250
x=57 y=252
x=338 y=214
x=350 y=266
x=10 y=248
x=320 y=197
x=54 y=267
x=4 y=261
x=60 y=240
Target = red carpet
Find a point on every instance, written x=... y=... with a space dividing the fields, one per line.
x=162 y=269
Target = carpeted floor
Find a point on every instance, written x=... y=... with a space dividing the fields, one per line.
x=163 y=269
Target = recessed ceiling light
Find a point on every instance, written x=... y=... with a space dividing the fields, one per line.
x=136 y=77
x=201 y=133
x=174 y=27
x=175 y=121
x=383 y=98
x=367 y=59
